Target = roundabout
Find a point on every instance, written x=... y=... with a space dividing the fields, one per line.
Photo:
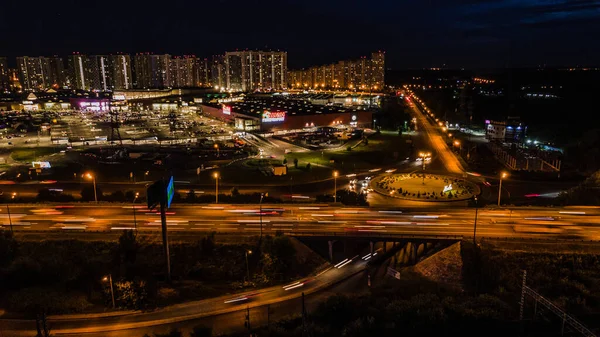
x=432 y=187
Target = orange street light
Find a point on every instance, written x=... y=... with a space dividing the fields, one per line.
x=503 y=175
x=93 y=178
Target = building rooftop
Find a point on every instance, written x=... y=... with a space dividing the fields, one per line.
x=256 y=106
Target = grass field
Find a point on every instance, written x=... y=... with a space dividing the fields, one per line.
x=30 y=154
x=381 y=149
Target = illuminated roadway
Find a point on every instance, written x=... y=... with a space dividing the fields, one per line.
x=319 y=220
x=119 y=324
x=447 y=157
x=299 y=219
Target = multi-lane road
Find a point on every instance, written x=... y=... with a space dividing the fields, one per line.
x=226 y=310
x=320 y=220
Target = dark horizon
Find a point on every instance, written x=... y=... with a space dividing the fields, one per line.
x=458 y=33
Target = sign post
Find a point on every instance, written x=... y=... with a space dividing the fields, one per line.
x=161 y=193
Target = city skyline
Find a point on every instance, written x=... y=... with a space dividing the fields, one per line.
x=416 y=35
x=245 y=70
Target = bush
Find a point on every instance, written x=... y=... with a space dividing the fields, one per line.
x=296 y=162
x=349 y=148
x=36 y=299
x=87 y=193
x=308 y=167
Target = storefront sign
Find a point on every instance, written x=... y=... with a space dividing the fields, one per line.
x=273 y=116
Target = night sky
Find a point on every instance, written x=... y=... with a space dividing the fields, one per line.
x=418 y=33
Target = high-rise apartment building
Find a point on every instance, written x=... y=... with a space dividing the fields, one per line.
x=83 y=72
x=378 y=70
x=102 y=73
x=202 y=73
x=182 y=70
x=361 y=74
x=4 y=84
x=122 y=71
x=40 y=73
x=152 y=71
x=217 y=71
x=252 y=70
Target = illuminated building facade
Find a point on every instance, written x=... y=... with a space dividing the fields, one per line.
x=123 y=78
x=152 y=71
x=4 y=83
x=362 y=74
x=255 y=70
x=40 y=73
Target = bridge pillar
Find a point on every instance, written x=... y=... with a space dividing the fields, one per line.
x=371 y=246
x=421 y=249
x=415 y=248
x=330 y=243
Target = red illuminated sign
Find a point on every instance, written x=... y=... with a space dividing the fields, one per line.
x=273 y=116
x=226 y=110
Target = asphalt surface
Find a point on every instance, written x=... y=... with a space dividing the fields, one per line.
x=305 y=219
x=227 y=308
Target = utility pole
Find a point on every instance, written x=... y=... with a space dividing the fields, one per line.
x=475 y=224
x=9 y=218
x=247 y=322
x=304 y=318
x=157 y=194
x=165 y=237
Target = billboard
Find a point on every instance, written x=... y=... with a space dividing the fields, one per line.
x=170 y=192
x=226 y=110
x=273 y=116
x=40 y=164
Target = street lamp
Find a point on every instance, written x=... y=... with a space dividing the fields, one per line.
x=247 y=267
x=137 y=194
x=112 y=293
x=262 y=195
x=335 y=175
x=459 y=144
x=93 y=178
x=502 y=176
x=216 y=176
x=424 y=155
x=475 y=223
x=217 y=148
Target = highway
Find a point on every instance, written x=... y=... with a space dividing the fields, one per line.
x=447 y=157
x=304 y=219
x=119 y=324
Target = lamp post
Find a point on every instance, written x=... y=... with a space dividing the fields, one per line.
x=475 y=223
x=137 y=194
x=216 y=175
x=93 y=178
x=335 y=175
x=459 y=144
x=424 y=155
x=247 y=267
x=112 y=293
x=502 y=176
x=217 y=148
x=262 y=195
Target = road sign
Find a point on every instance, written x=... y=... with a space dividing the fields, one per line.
x=393 y=273
x=170 y=192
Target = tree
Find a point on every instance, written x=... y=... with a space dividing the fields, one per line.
x=349 y=148
x=235 y=192
x=201 y=331
x=284 y=161
x=128 y=246
x=296 y=162
x=308 y=166
x=173 y=333
x=87 y=193
x=8 y=248
x=117 y=196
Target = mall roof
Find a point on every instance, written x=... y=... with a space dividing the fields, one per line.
x=251 y=106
